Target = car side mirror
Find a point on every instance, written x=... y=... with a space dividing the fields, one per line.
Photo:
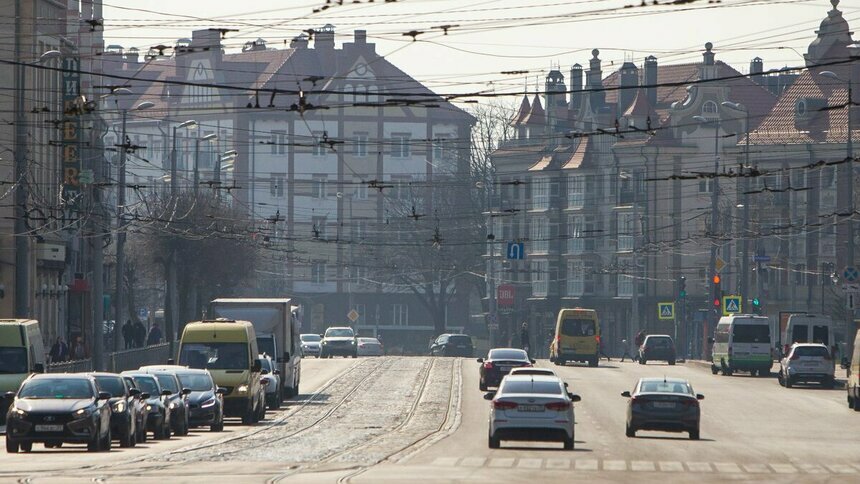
x=489 y=395
x=145 y=396
x=221 y=391
x=276 y=372
x=104 y=396
x=699 y=396
x=9 y=395
x=845 y=364
x=480 y=360
x=38 y=368
x=566 y=384
x=532 y=360
x=166 y=393
x=186 y=391
x=134 y=392
x=574 y=397
x=264 y=371
x=257 y=366
x=625 y=394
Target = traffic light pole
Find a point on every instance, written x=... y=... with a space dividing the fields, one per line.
x=712 y=265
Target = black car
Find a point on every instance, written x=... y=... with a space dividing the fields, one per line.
x=452 y=345
x=58 y=409
x=176 y=401
x=124 y=408
x=667 y=404
x=657 y=347
x=140 y=403
x=498 y=363
x=205 y=402
x=157 y=405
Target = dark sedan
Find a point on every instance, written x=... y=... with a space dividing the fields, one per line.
x=667 y=404
x=157 y=405
x=452 y=345
x=205 y=402
x=659 y=347
x=140 y=403
x=176 y=401
x=57 y=409
x=498 y=363
x=124 y=409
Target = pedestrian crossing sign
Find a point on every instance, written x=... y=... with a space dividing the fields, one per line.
x=731 y=305
x=666 y=310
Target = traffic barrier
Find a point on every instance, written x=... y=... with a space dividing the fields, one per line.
x=118 y=361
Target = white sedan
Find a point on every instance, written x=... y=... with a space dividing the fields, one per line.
x=532 y=408
x=368 y=347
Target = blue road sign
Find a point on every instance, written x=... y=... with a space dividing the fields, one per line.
x=851 y=274
x=731 y=305
x=761 y=258
x=516 y=250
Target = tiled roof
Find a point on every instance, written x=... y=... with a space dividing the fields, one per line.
x=578 y=157
x=536 y=113
x=641 y=106
x=525 y=107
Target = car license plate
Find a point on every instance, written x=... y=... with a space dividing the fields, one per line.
x=49 y=428
x=504 y=369
x=530 y=408
x=664 y=405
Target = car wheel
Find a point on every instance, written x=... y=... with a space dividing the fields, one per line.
x=788 y=382
x=642 y=361
x=694 y=434
x=104 y=445
x=27 y=446
x=828 y=382
x=482 y=386
x=856 y=405
x=276 y=403
x=93 y=445
x=217 y=427
x=593 y=363
x=127 y=439
x=714 y=369
x=672 y=362
x=850 y=403
x=728 y=372
x=629 y=431
x=753 y=372
x=248 y=417
x=11 y=445
x=493 y=442
x=141 y=434
x=568 y=443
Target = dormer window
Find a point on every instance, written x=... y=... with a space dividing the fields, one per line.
x=710 y=110
x=800 y=108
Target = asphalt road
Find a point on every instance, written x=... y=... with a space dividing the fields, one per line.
x=423 y=419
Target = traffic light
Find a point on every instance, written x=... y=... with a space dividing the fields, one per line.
x=717 y=291
x=682 y=287
x=756 y=305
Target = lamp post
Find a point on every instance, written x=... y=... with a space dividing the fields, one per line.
x=22 y=240
x=174 y=179
x=745 y=262
x=208 y=137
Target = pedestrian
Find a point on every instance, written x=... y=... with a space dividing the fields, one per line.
x=640 y=338
x=154 y=335
x=78 y=350
x=626 y=351
x=128 y=334
x=602 y=351
x=139 y=334
x=59 y=352
x=524 y=336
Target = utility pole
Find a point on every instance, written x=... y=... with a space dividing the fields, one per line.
x=715 y=216
x=22 y=239
x=120 y=233
x=634 y=298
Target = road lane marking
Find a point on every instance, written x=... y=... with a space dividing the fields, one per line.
x=783 y=468
x=530 y=463
x=445 y=461
x=727 y=467
x=558 y=464
x=473 y=461
x=614 y=465
x=841 y=469
x=586 y=465
x=502 y=462
x=671 y=467
x=699 y=467
x=642 y=466
x=756 y=468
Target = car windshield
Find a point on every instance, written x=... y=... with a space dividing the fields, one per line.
x=147 y=384
x=577 y=327
x=658 y=342
x=311 y=338
x=111 y=384
x=266 y=364
x=66 y=388
x=196 y=382
x=751 y=333
x=215 y=356
x=13 y=360
x=508 y=355
x=339 y=333
x=812 y=351
x=167 y=382
x=460 y=339
x=266 y=345
x=530 y=386
x=665 y=387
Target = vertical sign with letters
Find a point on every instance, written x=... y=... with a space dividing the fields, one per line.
x=71 y=132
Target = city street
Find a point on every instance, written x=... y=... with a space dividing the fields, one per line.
x=385 y=419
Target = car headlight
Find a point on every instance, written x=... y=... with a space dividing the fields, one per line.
x=325 y=342
x=208 y=403
x=18 y=411
x=119 y=407
x=148 y=408
x=352 y=342
x=81 y=412
x=172 y=405
x=242 y=389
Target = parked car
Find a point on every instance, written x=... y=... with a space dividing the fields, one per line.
x=498 y=363
x=452 y=345
x=667 y=404
x=338 y=341
x=657 y=347
x=533 y=408
x=368 y=347
x=55 y=409
x=140 y=403
x=206 y=400
x=807 y=362
x=273 y=379
x=311 y=344
x=157 y=405
x=177 y=402
x=124 y=407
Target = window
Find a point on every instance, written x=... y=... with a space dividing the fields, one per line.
x=359 y=230
x=318 y=186
x=318 y=272
x=399 y=314
x=539 y=235
x=360 y=192
x=540 y=194
x=318 y=145
x=626 y=231
x=400 y=145
x=710 y=109
x=540 y=273
x=402 y=189
x=442 y=148
x=276 y=185
x=706 y=185
x=575 y=234
x=575 y=282
x=625 y=285
x=575 y=191
x=279 y=142
x=359 y=147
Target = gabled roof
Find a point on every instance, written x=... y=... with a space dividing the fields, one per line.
x=525 y=107
x=640 y=105
x=536 y=114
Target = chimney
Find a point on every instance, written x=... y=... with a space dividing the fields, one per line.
x=360 y=37
x=629 y=85
x=709 y=68
x=132 y=57
x=324 y=37
x=594 y=82
x=299 y=42
x=756 y=66
x=651 y=79
x=575 y=87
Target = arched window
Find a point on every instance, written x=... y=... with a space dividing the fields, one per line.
x=709 y=109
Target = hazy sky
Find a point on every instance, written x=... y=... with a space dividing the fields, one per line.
x=491 y=36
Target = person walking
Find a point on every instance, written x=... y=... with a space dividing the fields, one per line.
x=154 y=335
x=128 y=334
x=626 y=351
x=524 y=336
x=78 y=350
x=59 y=352
x=139 y=334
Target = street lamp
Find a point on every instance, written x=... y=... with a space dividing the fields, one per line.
x=174 y=179
x=744 y=283
x=208 y=137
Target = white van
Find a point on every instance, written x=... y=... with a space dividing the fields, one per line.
x=808 y=328
x=742 y=342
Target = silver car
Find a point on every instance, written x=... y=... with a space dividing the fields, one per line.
x=311 y=344
x=807 y=362
x=273 y=376
x=368 y=347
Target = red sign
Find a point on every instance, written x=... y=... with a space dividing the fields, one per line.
x=505 y=296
